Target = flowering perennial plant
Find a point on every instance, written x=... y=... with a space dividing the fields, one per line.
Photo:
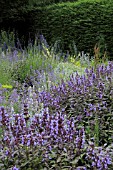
x=53 y=133
x=68 y=127
x=88 y=98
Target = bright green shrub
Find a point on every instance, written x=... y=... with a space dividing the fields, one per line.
x=86 y=22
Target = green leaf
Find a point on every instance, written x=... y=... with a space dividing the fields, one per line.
x=75 y=161
x=59 y=159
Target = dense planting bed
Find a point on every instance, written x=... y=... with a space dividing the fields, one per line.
x=54 y=112
x=71 y=126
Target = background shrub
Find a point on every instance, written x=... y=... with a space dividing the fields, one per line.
x=85 y=22
x=46 y=2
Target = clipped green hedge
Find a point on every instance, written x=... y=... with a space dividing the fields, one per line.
x=47 y=2
x=12 y=13
x=86 y=22
x=13 y=17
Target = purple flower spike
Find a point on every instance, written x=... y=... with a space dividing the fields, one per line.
x=15 y=168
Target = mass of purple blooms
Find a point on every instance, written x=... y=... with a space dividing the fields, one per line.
x=70 y=126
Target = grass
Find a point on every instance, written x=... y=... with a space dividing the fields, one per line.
x=4 y=72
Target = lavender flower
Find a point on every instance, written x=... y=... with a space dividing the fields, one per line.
x=15 y=168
